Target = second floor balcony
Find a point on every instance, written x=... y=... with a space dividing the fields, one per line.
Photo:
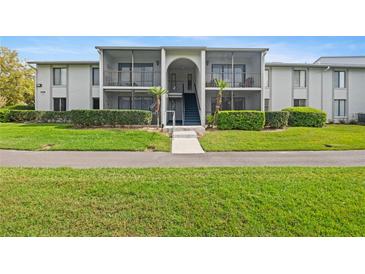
x=235 y=80
x=239 y=69
x=132 y=79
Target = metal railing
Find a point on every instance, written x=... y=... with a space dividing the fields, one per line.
x=235 y=80
x=197 y=97
x=173 y=118
x=176 y=86
x=132 y=79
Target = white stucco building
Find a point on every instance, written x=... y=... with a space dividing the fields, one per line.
x=122 y=76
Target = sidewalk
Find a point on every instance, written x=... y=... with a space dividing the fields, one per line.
x=78 y=159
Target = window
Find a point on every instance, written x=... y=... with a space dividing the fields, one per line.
x=190 y=81
x=267 y=83
x=340 y=79
x=226 y=103
x=59 y=104
x=222 y=72
x=95 y=76
x=239 y=103
x=173 y=81
x=143 y=74
x=267 y=104
x=239 y=75
x=340 y=108
x=59 y=76
x=124 y=74
x=300 y=102
x=299 y=78
x=124 y=102
x=96 y=103
x=143 y=102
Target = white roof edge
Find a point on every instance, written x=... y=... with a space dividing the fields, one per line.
x=277 y=64
x=63 y=62
x=180 y=47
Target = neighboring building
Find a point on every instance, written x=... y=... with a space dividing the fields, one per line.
x=122 y=76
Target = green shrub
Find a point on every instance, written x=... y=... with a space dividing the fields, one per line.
x=19 y=116
x=305 y=117
x=21 y=107
x=241 y=119
x=210 y=120
x=4 y=114
x=82 y=118
x=276 y=119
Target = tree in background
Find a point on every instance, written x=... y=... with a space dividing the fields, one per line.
x=16 y=79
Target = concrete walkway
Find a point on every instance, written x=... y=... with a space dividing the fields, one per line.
x=12 y=158
x=185 y=142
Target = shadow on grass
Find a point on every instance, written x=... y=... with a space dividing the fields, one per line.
x=54 y=125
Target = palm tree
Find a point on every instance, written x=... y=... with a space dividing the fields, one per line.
x=158 y=92
x=221 y=84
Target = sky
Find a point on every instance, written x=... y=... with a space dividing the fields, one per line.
x=303 y=49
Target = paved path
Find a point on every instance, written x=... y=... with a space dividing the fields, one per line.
x=12 y=158
x=185 y=142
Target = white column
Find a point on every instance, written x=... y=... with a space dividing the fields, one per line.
x=262 y=80
x=163 y=85
x=202 y=87
x=101 y=79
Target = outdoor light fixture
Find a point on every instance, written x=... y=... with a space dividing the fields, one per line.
x=157 y=63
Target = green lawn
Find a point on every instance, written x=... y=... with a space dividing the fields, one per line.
x=330 y=137
x=64 y=137
x=277 y=201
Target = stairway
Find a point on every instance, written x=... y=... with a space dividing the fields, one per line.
x=191 y=113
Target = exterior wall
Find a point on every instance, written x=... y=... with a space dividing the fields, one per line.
x=314 y=95
x=79 y=87
x=78 y=90
x=327 y=93
x=320 y=92
x=43 y=93
x=281 y=88
x=356 y=92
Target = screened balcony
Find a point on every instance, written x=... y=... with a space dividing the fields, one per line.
x=132 y=68
x=238 y=69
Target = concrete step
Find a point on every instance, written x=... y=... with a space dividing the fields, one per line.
x=200 y=130
x=184 y=134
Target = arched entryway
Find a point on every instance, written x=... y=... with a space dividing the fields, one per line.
x=183 y=80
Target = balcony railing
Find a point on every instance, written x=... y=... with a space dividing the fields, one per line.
x=132 y=79
x=177 y=86
x=235 y=80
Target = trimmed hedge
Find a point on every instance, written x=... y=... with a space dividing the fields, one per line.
x=19 y=116
x=84 y=118
x=4 y=115
x=276 y=119
x=305 y=117
x=21 y=107
x=80 y=118
x=241 y=119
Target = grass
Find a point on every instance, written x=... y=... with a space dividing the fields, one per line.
x=250 y=201
x=64 y=137
x=330 y=137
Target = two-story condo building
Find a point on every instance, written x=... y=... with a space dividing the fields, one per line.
x=123 y=75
